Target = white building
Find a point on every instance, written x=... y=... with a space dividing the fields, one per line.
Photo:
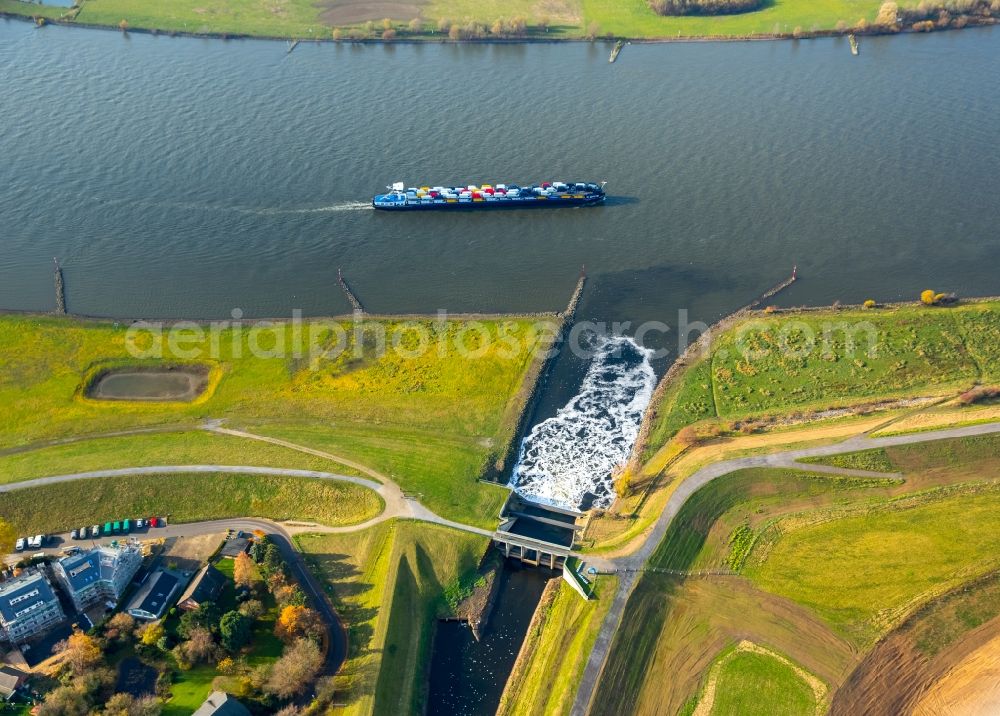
x=27 y=606
x=99 y=575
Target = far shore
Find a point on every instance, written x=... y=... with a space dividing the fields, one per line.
x=434 y=39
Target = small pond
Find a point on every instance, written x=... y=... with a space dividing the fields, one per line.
x=161 y=384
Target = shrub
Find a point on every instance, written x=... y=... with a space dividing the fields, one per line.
x=704 y=7
x=687 y=436
x=870 y=303
x=388 y=35
x=337 y=34
x=927 y=297
x=976 y=395
x=123 y=25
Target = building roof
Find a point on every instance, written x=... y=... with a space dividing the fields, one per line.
x=22 y=594
x=206 y=586
x=10 y=680
x=101 y=563
x=155 y=594
x=219 y=703
x=234 y=546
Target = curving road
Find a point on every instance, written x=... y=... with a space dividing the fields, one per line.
x=788 y=459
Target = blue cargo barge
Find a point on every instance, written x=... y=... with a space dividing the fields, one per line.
x=490 y=196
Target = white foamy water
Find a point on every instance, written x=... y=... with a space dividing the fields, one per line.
x=572 y=454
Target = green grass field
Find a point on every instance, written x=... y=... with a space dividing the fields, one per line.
x=554 y=19
x=773 y=365
x=876 y=460
x=842 y=558
x=186 y=498
x=546 y=681
x=388 y=583
x=194 y=447
x=757 y=684
x=433 y=419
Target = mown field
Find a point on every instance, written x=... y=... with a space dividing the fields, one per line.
x=753 y=682
x=800 y=362
x=389 y=585
x=553 y=19
x=433 y=418
x=546 y=678
x=185 y=498
x=191 y=447
x=823 y=566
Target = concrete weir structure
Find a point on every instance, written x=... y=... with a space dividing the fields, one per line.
x=536 y=534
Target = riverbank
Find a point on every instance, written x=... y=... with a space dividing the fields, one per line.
x=588 y=21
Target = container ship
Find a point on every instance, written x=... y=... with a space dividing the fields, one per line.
x=489 y=196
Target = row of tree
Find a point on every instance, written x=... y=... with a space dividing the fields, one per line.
x=704 y=7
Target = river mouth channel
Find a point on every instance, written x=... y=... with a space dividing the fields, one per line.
x=468 y=677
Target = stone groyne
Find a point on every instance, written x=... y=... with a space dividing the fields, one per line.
x=693 y=352
x=60 y=289
x=351 y=298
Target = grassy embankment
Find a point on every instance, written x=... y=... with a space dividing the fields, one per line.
x=389 y=584
x=186 y=498
x=548 y=672
x=749 y=381
x=824 y=565
x=429 y=421
x=557 y=19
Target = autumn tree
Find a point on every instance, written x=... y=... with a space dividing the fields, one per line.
x=245 y=572
x=127 y=705
x=199 y=647
x=64 y=701
x=234 y=630
x=297 y=621
x=81 y=652
x=120 y=627
x=295 y=670
x=416 y=26
x=888 y=14
x=927 y=297
x=152 y=633
x=252 y=608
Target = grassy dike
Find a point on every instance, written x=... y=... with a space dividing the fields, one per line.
x=555 y=20
x=389 y=584
x=186 y=498
x=431 y=419
x=823 y=567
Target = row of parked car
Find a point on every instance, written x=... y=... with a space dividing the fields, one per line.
x=116 y=527
x=36 y=542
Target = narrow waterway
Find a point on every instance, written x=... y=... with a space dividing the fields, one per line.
x=468 y=677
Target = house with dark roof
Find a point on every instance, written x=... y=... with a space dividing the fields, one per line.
x=28 y=606
x=219 y=703
x=205 y=587
x=11 y=680
x=152 y=600
x=101 y=574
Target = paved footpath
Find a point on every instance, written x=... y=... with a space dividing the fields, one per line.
x=787 y=459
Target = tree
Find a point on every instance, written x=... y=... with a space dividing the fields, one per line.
x=127 y=705
x=64 y=701
x=386 y=23
x=152 y=633
x=81 y=652
x=623 y=483
x=388 y=35
x=245 y=572
x=927 y=297
x=120 y=627
x=687 y=436
x=416 y=26
x=123 y=25
x=870 y=303
x=199 y=647
x=272 y=563
x=296 y=622
x=337 y=35
x=888 y=14
x=234 y=630
x=444 y=25
x=593 y=30
x=206 y=616
x=252 y=608
x=295 y=670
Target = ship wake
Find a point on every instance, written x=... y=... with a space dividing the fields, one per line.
x=568 y=459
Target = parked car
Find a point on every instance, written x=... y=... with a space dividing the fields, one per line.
x=20 y=544
x=75 y=534
x=107 y=529
x=35 y=542
x=95 y=531
x=116 y=527
x=154 y=521
x=127 y=526
x=84 y=533
x=139 y=523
